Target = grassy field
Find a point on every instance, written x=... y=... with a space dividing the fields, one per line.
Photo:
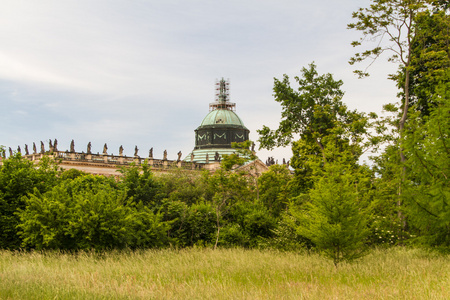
x=223 y=274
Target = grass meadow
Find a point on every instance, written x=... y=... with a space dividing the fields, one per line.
x=396 y=273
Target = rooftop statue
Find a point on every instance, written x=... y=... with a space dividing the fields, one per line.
x=26 y=150
x=72 y=146
x=42 y=148
x=10 y=152
x=55 y=145
x=150 y=153
x=34 y=148
x=120 y=150
x=50 y=145
x=136 y=151
x=18 y=149
x=179 y=156
x=105 y=149
x=89 y=146
x=270 y=161
x=165 y=155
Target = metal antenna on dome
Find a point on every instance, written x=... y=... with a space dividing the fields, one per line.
x=222 y=96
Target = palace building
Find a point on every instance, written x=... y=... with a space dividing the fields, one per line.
x=213 y=139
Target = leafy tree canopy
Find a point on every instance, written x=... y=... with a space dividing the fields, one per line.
x=243 y=155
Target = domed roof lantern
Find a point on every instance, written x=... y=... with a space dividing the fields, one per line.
x=222 y=96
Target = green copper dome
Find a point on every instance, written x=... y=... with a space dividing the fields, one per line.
x=219 y=129
x=222 y=116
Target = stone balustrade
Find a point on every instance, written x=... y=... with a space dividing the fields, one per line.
x=71 y=158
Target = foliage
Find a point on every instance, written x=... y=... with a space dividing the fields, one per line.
x=388 y=220
x=190 y=225
x=201 y=224
x=243 y=155
x=275 y=189
x=385 y=231
x=392 y=20
x=286 y=236
x=18 y=178
x=386 y=19
x=430 y=58
x=427 y=186
x=232 y=235
x=316 y=114
x=140 y=184
x=71 y=174
x=181 y=186
x=228 y=188
x=335 y=219
x=309 y=112
x=247 y=225
x=88 y=213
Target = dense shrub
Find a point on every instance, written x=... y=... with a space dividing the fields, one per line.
x=88 y=213
x=140 y=184
x=190 y=225
x=18 y=178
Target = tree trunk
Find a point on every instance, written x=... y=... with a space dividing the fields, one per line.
x=322 y=149
x=401 y=124
x=217 y=236
x=218 y=226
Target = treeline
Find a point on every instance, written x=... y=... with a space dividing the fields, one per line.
x=46 y=208
x=331 y=203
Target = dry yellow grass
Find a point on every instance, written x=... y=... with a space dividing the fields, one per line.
x=223 y=274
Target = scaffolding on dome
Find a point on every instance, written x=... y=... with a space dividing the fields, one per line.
x=222 y=96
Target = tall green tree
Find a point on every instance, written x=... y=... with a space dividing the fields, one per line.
x=427 y=188
x=335 y=219
x=228 y=188
x=311 y=115
x=416 y=33
x=391 y=24
x=430 y=57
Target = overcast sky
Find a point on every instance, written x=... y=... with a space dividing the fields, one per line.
x=143 y=72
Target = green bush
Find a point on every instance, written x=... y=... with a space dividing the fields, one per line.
x=18 y=178
x=88 y=213
x=233 y=235
x=190 y=225
x=246 y=225
x=336 y=220
x=140 y=184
